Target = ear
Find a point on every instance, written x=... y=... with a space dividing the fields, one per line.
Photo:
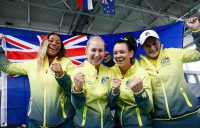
x=131 y=53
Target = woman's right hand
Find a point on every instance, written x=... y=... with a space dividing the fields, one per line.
x=116 y=85
x=106 y=56
x=79 y=81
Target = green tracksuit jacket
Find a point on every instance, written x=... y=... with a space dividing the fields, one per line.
x=133 y=109
x=92 y=108
x=49 y=102
x=172 y=96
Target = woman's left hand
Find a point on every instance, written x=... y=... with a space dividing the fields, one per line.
x=193 y=23
x=56 y=67
x=136 y=85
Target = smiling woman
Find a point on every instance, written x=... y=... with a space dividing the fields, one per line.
x=174 y=103
x=50 y=84
x=91 y=83
x=133 y=99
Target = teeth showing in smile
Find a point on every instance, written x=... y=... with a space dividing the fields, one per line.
x=119 y=61
x=96 y=59
x=52 y=48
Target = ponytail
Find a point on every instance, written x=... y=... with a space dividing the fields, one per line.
x=130 y=41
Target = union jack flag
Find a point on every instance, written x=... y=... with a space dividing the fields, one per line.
x=21 y=48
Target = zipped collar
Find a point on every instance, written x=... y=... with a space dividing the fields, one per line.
x=149 y=64
x=130 y=71
x=92 y=68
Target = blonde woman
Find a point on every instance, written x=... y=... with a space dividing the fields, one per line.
x=90 y=89
x=50 y=84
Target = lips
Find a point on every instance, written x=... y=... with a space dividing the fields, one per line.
x=120 y=61
x=96 y=60
x=52 y=48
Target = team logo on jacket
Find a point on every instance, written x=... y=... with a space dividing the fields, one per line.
x=165 y=61
x=127 y=85
x=105 y=80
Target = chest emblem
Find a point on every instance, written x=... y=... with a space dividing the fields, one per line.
x=127 y=85
x=165 y=61
x=105 y=80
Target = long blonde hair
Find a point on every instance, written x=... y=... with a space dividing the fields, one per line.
x=42 y=53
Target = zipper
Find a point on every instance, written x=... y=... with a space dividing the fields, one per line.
x=166 y=102
x=84 y=115
x=121 y=116
x=186 y=97
x=101 y=114
x=30 y=105
x=63 y=108
x=45 y=109
x=138 y=116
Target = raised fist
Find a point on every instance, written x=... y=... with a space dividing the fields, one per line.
x=136 y=85
x=79 y=79
x=56 y=67
x=116 y=85
x=193 y=23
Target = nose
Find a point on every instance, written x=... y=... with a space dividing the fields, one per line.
x=96 y=53
x=54 y=42
x=152 y=47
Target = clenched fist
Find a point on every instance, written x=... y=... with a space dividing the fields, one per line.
x=56 y=67
x=136 y=85
x=116 y=85
x=79 y=79
x=193 y=23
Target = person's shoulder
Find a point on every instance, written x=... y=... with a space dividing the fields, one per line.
x=66 y=59
x=141 y=70
x=171 y=49
x=106 y=69
x=32 y=61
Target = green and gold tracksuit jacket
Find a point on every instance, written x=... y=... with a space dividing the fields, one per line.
x=92 y=108
x=133 y=109
x=172 y=96
x=50 y=103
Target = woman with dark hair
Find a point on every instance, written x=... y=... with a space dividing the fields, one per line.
x=50 y=84
x=133 y=98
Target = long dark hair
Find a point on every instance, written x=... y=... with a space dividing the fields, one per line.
x=42 y=53
x=130 y=41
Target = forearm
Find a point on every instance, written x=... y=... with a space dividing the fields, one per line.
x=65 y=83
x=196 y=37
x=4 y=63
x=113 y=98
x=78 y=99
x=143 y=101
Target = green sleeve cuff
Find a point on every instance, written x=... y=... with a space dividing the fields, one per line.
x=60 y=76
x=135 y=93
x=77 y=92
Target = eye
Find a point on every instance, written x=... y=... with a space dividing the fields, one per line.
x=58 y=43
x=122 y=52
x=50 y=40
x=101 y=50
x=93 y=50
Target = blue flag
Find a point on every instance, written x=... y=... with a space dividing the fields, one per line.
x=108 y=6
x=15 y=91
